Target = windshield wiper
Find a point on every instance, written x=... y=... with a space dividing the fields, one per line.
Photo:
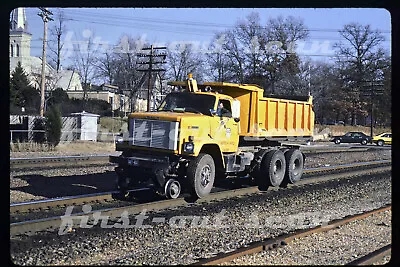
x=190 y=109
x=185 y=109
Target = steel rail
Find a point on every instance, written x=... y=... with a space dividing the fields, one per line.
x=17 y=164
x=373 y=257
x=274 y=243
x=52 y=222
x=107 y=196
x=64 y=201
x=313 y=151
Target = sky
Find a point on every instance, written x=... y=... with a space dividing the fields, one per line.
x=165 y=25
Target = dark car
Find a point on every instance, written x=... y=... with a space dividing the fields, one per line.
x=352 y=137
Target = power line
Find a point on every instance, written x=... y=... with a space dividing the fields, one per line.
x=298 y=54
x=117 y=19
x=156 y=28
x=193 y=30
x=167 y=21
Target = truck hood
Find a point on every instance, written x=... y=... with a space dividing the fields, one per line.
x=164 y=115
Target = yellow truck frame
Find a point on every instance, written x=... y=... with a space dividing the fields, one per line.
x=189 y=142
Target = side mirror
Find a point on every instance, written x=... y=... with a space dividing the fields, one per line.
x=236 y=110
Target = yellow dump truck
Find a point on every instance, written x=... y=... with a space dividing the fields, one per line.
x=202 y=133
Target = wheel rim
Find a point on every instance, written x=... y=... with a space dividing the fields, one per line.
x=173 y=189
x=296 y=166
x=278 y=166
x=205 y=174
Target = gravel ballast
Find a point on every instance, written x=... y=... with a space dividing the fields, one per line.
x=36 y=185
x=277 y=212
x=338 y=246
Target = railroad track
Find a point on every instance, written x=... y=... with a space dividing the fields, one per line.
x=108 y=196
x=43 y=163
x=373 y=257
x=32 y=226
x=277 y=242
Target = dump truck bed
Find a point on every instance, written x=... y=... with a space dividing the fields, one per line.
x=269 y=116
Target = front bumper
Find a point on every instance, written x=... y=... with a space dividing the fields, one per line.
x=144 y=161
x=140 y=169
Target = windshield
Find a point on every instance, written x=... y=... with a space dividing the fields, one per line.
x=188 y=102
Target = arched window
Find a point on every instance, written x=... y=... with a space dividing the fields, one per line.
x=12 y=50
x=17 y=54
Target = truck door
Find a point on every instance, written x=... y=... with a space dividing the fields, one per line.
x=224 y=129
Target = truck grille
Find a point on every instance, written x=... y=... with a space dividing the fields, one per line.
x=153 y=133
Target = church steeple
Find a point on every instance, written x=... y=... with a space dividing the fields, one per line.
x=18 y=20
x=20 y=38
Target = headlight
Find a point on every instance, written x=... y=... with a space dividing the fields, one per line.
x=188 y=147
x=119 y=140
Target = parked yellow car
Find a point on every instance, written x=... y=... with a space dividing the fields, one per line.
x=383 y=138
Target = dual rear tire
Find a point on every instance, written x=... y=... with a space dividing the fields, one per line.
x=280 y=169
x=294 y=167
x=272 y=169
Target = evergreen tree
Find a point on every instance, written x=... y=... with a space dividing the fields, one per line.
x=53 y=125
x=21 y=93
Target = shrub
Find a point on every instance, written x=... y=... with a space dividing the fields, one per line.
x=53 y=125
x=38 y=127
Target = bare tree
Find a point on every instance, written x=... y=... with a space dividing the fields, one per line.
x=383 y=104
x=235 y=54
x=261 y=55
x=218 y=68
x=84 y=58
x=249 y=32
x=183 y=59
x=279 y=43
x=105 y=67
x=56 y=44
x=358 y=60
x=124 y=67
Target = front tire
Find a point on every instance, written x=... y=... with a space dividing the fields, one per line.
x=201 y=175
x=364 y=142
x=337 y=141
x=380 y=142
x=272 y=169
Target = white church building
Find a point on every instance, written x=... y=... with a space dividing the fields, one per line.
x=20 y=49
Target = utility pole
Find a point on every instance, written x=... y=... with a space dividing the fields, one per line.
x=45 y=14
x=371 y=91
x=151 y=64
x=309 y=79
